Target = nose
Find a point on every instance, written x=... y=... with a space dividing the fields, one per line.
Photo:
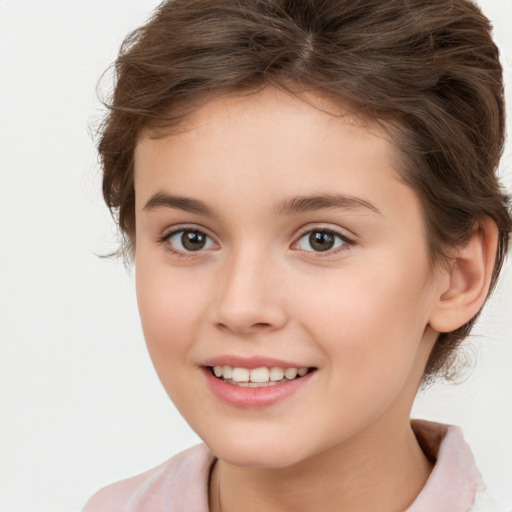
x=250 y=295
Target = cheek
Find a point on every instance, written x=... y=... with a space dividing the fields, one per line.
x=369 y=324
x=169 y=311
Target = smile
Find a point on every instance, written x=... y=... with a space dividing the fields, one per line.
x=256 y=383
x=257 y=377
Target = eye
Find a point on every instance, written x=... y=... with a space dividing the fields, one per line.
x=321 y=240
x=189 y=240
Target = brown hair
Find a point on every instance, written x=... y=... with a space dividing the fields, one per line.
x=430 y=70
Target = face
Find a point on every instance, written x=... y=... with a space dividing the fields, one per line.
x=274 y=239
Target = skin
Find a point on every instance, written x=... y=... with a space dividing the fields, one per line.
x=360 y=314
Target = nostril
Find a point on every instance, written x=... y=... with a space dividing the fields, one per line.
x=258 y=326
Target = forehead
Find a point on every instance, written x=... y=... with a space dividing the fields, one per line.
x=260 y=146
x=271 y=119
x=262 y=104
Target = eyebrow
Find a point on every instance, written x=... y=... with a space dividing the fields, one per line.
x=302 y=204
x=291 y=205
x=187 y=204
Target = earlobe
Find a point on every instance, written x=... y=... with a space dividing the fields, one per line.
x=464 y=287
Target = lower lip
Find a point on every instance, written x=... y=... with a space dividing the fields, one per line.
x=251 y=398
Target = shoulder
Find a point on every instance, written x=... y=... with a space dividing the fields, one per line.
x=157 y=489
x=455 y=484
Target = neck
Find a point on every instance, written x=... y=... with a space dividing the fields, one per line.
x=362 y=474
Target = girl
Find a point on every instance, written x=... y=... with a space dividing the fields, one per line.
x=308 y=191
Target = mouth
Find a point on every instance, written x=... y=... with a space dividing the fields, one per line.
x=258 y=377
x=257 y=381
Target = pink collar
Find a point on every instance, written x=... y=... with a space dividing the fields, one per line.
x=455 y=479
x=181 y=483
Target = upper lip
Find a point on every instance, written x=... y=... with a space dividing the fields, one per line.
x=252 y=362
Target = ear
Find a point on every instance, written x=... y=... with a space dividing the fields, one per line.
x=464 y=287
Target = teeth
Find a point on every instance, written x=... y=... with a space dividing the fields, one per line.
x=255 y=384
x=259 y=375
x=240 y=375
x=276 y=374
x=290 y=373
x=247 y=377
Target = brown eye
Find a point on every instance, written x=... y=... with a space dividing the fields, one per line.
x=193 y=240
x=190 y=240
x=321 y=240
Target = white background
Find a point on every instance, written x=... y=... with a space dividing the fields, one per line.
x=80 y=405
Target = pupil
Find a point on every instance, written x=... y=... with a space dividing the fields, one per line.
x=321 y=240
x=193 y=240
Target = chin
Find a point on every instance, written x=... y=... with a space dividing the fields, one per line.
x=254 y=458
x=257 y=453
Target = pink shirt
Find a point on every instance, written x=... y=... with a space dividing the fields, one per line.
x=181 y=483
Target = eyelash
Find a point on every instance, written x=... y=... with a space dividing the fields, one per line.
x=164 y=240
x=346 y=241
